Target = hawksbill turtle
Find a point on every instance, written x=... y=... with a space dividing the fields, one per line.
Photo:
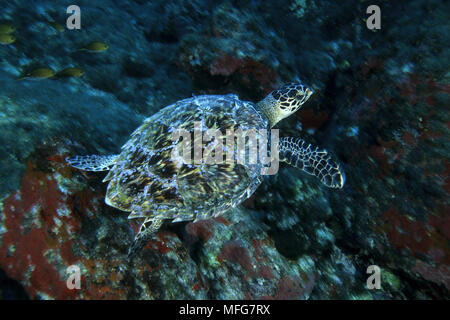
x=147 y=181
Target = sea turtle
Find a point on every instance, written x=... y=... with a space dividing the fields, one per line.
x=146 y=179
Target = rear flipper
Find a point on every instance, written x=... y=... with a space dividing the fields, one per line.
x=93 y=162
x=312 y=160
x=147 y=230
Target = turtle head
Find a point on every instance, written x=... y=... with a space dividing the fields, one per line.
x=283 y=102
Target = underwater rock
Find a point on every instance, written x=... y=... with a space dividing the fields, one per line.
x=37 y=112
x=58 y=218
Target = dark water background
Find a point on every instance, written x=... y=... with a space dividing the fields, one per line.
x=381 y=106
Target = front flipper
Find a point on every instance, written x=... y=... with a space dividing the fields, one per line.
x=148 y=229
x=312 y=160
x=93 y=162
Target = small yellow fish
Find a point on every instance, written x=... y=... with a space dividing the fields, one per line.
x=7 y=38
x=39 y=73
x=95 y=46
x=70 y=72
x=57 y=26
x=6 y=28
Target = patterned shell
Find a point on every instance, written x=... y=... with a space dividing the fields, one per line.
x=148 y=182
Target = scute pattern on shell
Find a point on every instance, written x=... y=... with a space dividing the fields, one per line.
x=148 y=183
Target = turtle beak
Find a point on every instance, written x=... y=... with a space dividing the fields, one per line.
x=305 y=94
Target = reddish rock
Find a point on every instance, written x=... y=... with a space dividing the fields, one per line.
x=234 y=252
